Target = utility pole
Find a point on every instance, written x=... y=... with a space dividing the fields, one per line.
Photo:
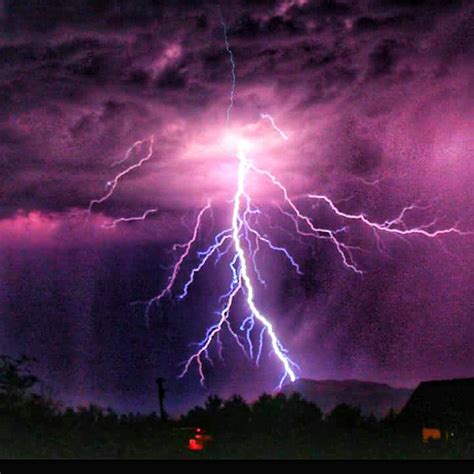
x=161 y=397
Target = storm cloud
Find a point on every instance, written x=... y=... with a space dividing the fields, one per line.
x=376 y=99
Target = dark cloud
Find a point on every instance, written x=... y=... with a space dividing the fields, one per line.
x=382 y=59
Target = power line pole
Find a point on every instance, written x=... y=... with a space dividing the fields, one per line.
x=161 y=397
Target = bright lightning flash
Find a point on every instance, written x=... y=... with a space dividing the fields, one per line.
x=241 y=281
x=239 y=245
x=244 y=238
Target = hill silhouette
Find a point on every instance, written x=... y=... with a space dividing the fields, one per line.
x=371 y=397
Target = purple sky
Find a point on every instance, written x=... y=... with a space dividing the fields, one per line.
x=371 y=91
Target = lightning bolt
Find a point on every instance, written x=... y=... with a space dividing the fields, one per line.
x=232 y=67
x=186 y=248
x=241 y=282
x=239 y=245
x=244 y=167
x=274 y=125
x=128 y=153
x=114 y=182
x=142 y=217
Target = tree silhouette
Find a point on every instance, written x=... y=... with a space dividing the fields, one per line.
x=15 y=377
x=213 y=404
x=235 y=413
x=271 y=427
x=301 y=414
x=346 y=417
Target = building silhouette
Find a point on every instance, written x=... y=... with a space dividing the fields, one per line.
x=441 y=410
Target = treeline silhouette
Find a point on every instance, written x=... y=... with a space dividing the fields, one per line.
x=32 y=425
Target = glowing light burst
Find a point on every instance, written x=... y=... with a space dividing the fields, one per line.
x=239 y=245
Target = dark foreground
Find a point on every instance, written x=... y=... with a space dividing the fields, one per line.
x=33 y=426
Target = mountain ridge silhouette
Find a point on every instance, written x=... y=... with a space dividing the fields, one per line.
x=372 y=397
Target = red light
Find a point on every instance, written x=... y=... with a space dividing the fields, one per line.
x=194 y=445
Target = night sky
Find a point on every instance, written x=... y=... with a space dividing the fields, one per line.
x=376 y=98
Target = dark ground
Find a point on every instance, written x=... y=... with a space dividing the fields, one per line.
x=33 y=426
